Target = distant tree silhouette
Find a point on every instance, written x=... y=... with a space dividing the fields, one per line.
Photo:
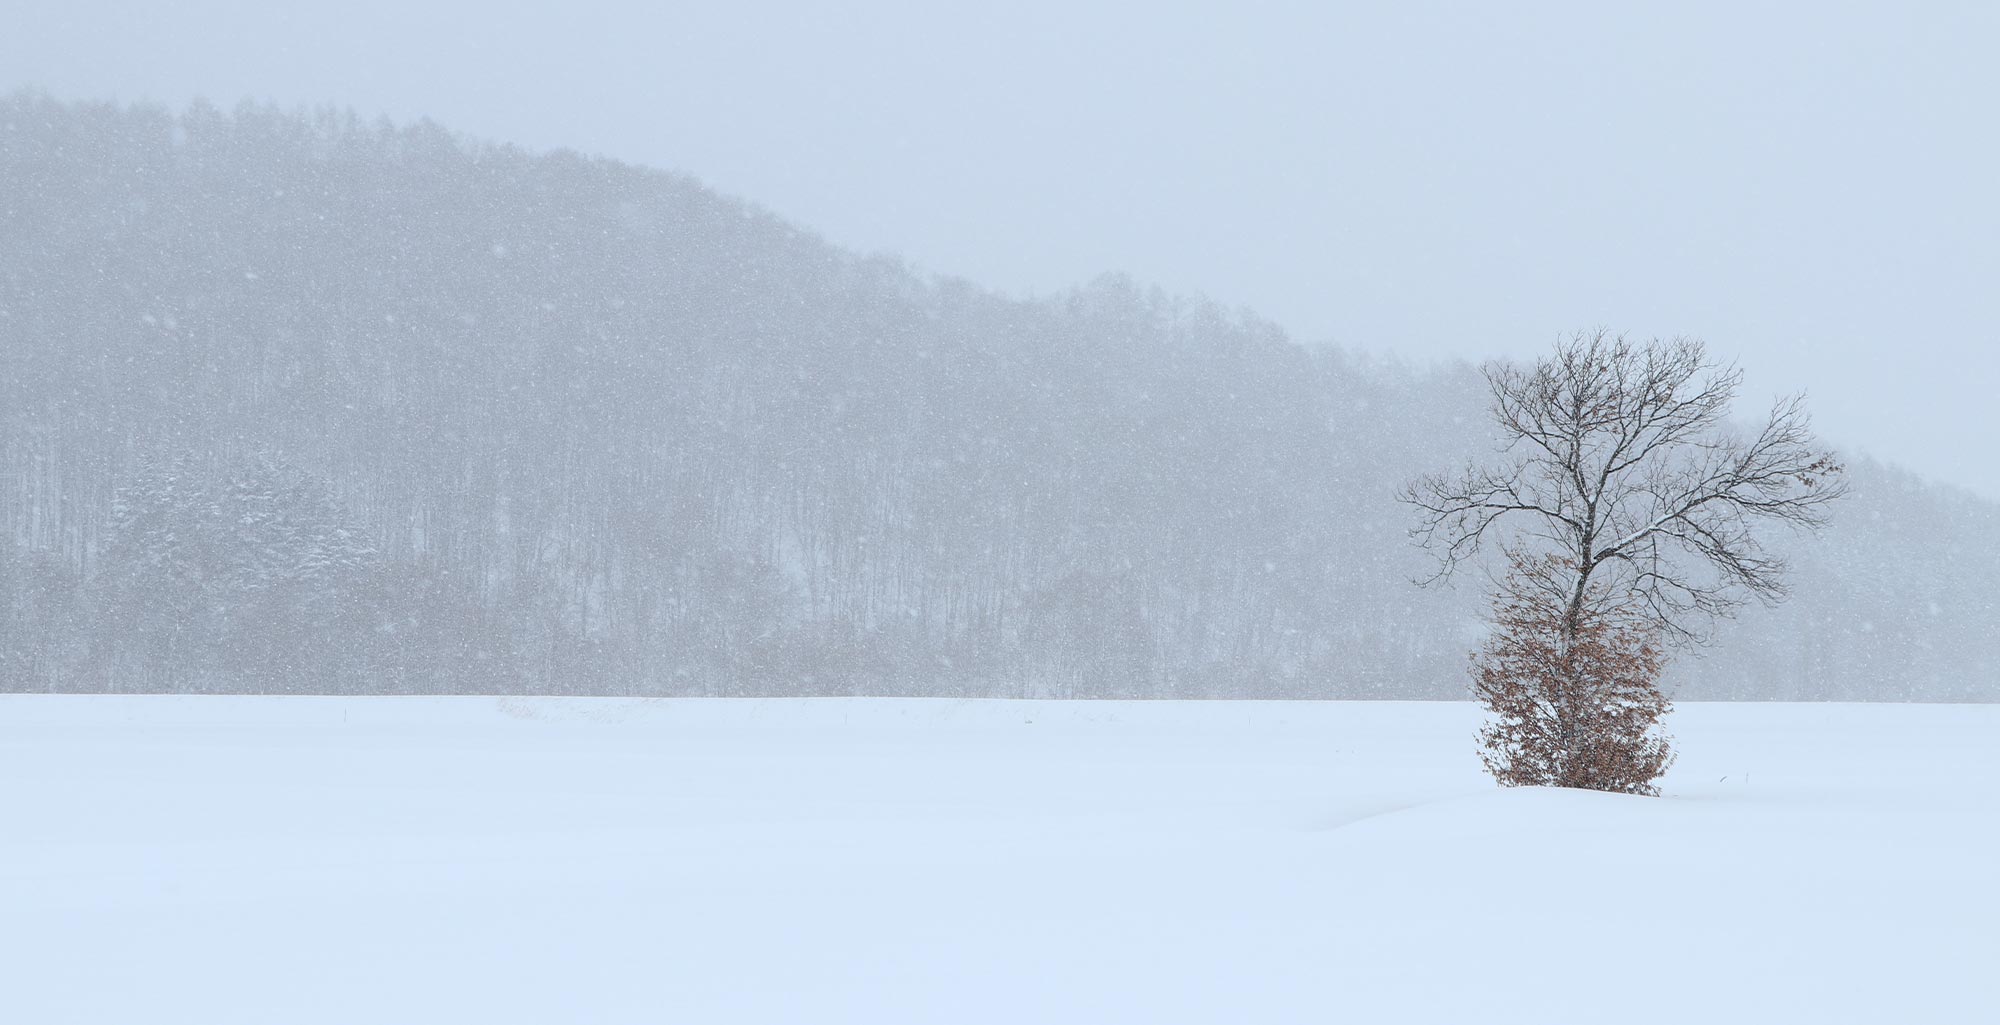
x=245 y=577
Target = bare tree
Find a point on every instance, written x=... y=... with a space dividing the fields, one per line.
x=1622 y=462
x=1630 y=494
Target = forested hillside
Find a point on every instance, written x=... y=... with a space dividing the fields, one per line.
x=294 y=402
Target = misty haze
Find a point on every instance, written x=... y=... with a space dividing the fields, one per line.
x=458 y=565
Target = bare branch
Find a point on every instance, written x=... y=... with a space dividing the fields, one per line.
x=1623 y=466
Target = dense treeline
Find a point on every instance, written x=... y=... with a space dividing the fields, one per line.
x=296 y=402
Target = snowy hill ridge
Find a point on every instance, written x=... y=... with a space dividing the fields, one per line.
x=297 y=403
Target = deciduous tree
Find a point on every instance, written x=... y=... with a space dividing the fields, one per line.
x=1628 y=508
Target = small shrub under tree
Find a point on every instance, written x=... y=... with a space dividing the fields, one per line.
x=1573 y=704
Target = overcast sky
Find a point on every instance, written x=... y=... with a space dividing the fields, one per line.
x=1811 y=187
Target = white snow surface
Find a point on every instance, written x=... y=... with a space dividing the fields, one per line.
x=480 y=860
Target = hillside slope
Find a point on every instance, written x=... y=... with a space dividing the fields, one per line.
x=291 y=401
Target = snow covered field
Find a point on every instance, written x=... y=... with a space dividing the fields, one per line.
x=365 y=861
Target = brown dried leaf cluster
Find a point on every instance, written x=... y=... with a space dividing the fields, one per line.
x=1574 y=696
